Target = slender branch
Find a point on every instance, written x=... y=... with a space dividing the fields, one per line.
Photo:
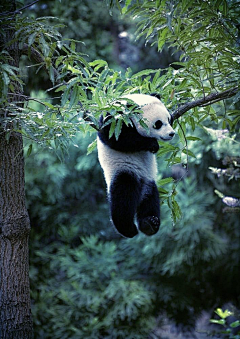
x=19 y=10
x=205 y=101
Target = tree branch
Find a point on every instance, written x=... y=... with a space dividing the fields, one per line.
x=19 y=10
x=205 y=101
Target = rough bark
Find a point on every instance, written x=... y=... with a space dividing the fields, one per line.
x=15 y=313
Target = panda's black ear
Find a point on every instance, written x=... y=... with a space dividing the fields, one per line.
x=156 y=95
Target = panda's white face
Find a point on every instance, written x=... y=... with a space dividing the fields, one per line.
x=156 y=116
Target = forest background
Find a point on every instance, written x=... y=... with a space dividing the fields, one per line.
x=86 y=281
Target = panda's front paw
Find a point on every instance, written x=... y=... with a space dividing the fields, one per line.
x=149 y=225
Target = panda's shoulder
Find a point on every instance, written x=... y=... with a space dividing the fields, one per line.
x=142 y=99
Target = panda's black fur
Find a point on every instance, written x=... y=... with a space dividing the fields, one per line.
x=130 y=168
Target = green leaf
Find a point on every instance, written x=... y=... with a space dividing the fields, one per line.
x=162 y=191
x=143 y=73
x=155 y=78
x=223 y=314
x=181 y=135
x=6 y=79
x=165 y=181
x=48 y=105
x=112 y=128
x=165 y=148
x=74 y=96
x=91 y=147
x=31 y=38
x=235 y=324
x=65 y=97
x=192 y=122
x=29 y=151
x=176 y=210
x=189 y=153
x=162 y=38
x=193 y=138
x=96 y=64
x=45 y=46
x=74 y=70
x=143 y=124
x=220 y=321
x=60 y=88
x=118 y=128
x=51 y=74
x=127 y=4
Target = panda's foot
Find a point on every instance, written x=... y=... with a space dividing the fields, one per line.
x=128 y=231
x=149 y=225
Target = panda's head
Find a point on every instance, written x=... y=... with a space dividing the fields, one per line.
x=155 y=115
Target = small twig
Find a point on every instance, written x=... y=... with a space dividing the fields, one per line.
x=19 y=10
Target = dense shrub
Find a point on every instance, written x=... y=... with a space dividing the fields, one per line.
x=89 y=292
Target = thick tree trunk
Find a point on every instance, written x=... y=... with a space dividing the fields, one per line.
x=15 y=313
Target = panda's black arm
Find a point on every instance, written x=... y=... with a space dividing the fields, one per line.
x=129 y=140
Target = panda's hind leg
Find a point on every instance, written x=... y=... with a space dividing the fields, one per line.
x=148 y=214
x=124 y=196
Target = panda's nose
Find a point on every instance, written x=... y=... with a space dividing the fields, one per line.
x=172 y=134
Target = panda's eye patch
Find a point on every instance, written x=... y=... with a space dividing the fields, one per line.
x=158 y=124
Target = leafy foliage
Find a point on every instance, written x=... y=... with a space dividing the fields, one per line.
x=8 y=76
x=206 y=33
x=207 y=36
x=91 y=294
x=228 y=324
x=57 y=191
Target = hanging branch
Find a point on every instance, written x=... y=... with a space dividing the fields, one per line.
x=19 y=10
x=205 y=101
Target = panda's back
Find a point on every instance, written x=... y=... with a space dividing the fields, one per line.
x=142 y=164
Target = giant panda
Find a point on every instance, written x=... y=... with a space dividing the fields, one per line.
x=130 y=168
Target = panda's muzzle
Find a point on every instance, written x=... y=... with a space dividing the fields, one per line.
x=169 y=137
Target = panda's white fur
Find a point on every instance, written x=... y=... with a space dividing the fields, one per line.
x=130 y=175
x=143 y=163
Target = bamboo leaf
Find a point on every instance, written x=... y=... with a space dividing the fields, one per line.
x=189 y=153
x=118 y=128
x=29 y=151
x=92 y=147
x=112 y=128
x=165 y=181
x=143 y=73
